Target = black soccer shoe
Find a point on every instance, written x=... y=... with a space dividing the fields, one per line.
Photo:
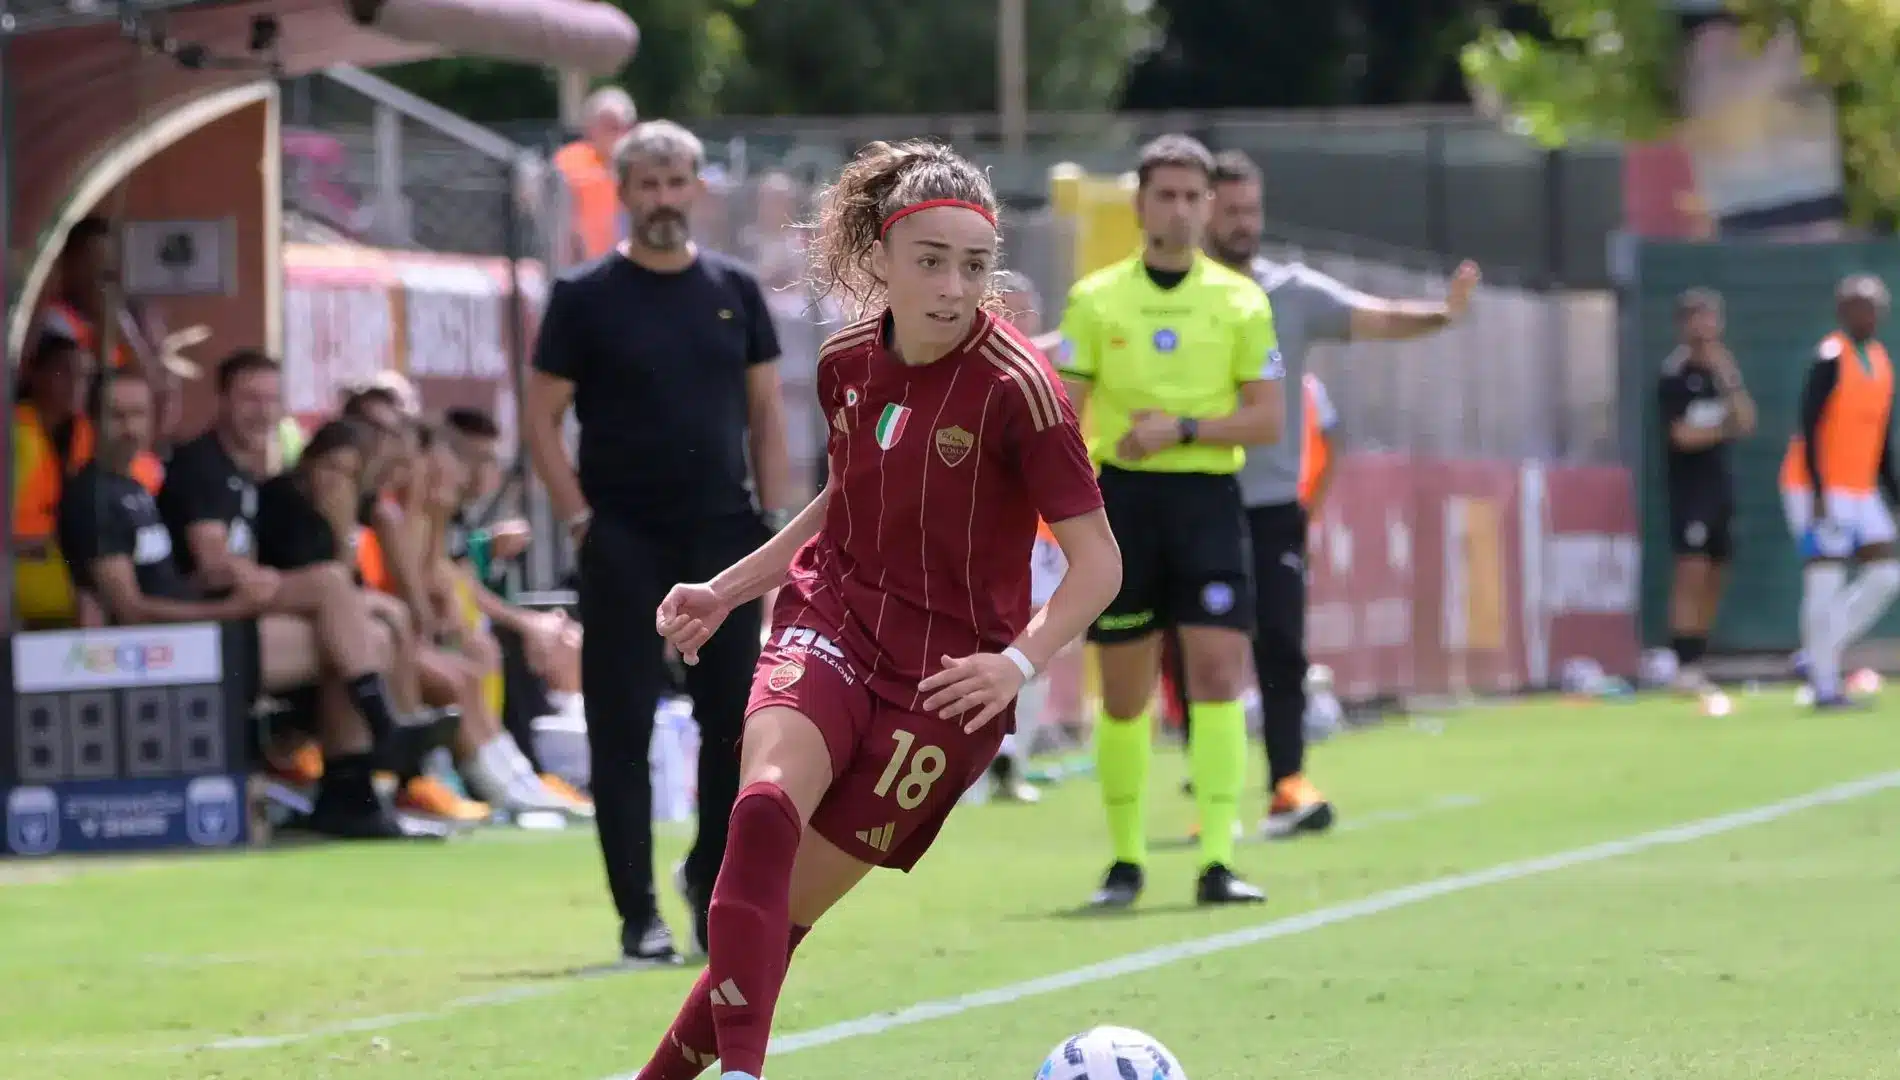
x=1121 y=887
x=649 y=945
x=1218 y=885
x=343 y=814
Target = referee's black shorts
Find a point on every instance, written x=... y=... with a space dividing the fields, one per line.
x=1183 y=540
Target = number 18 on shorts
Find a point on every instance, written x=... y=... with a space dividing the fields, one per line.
x=896 y=773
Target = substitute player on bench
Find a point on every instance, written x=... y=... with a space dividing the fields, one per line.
x=1176 y=356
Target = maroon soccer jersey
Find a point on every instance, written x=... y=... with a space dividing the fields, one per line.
x=938 y=474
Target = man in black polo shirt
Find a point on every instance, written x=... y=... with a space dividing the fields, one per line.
x=666 y=352
x=210 y=505
x=1704 y=407
x=120 y=554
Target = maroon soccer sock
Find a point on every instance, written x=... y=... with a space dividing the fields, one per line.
x=690 y=1044
x=750 y=925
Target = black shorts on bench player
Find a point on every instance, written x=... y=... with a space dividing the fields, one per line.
x=1176 y=358
x=121 y=556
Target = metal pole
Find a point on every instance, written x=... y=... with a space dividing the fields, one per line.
x=1012 y=73
x=9 y=296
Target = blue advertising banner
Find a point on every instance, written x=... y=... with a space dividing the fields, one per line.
x=125 y=739
x=84 y=816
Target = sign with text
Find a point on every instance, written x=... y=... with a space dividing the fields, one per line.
x=1438 y=576
x=125 y=738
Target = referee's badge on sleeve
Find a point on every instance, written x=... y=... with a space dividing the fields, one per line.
x=1062 y=352
x=1275 y=367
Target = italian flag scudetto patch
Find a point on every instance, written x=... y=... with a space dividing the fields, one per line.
x=891 y=424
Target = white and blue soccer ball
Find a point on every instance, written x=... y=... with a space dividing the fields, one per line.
x=1111 y=1053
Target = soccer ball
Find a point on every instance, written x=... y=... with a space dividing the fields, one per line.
x=1111 y=1053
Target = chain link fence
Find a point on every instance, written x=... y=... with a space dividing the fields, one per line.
x=1527 y=374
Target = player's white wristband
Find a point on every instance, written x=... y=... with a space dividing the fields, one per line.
x=1015 y=656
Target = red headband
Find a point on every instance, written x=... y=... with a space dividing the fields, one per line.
x=931 y=204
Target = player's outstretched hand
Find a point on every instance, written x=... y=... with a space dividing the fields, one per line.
x=688 y=616
x=984 y=682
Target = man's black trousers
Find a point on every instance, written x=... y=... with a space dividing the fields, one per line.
x=1279 y=645
x=626 y=568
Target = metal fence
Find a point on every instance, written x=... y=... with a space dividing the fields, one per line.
x=369 y=162
x=1439 y=180
x=1527 y=374
x=1530 y=374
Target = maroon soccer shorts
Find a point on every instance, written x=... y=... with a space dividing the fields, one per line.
x=895 y=774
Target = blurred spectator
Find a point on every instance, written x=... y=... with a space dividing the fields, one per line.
x=1022 y=303
x=1317 y=440
x=476 y=619
x=586 y=166
x=52 y=439
x=88 y=307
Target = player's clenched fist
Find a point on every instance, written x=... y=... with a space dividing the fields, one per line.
x=985 y=682
x=688 y=616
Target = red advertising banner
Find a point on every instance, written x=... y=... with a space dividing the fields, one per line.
x=443 y=320
x=1439 y=576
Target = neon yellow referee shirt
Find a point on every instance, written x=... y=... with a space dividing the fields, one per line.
x=1184 y=351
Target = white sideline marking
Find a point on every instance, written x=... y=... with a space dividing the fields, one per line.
x=1161 y=956
x=1405 y=896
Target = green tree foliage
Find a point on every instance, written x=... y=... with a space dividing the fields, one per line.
x=703 y=57
x=1608 y=69
x=688 y=50
x=925 y=56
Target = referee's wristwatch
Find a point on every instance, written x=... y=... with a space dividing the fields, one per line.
x=776 y=520
x=1188 y=428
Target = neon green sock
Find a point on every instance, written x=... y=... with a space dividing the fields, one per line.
x=1122 y=749
x=1217 y=760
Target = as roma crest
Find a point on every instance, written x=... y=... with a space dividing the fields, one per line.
x=784 y=675
x=953 y=445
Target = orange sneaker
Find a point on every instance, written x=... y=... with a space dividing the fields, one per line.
x=301 y=767
x=578 y=803
x=1297 y=807
x=427 y=795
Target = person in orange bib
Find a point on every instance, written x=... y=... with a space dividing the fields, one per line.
x=1832 y=478
x=1316 y=445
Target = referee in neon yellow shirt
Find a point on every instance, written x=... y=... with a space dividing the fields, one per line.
x=1177 y=362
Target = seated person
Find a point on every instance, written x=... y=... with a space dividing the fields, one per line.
x=549 y=643
x=120 y=554
x=209 y=502
x=308 y=517
x=52 y=439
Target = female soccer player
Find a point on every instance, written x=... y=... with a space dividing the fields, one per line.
x=902 y=628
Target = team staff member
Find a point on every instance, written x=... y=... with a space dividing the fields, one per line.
x=121 y=557
x=52 y=439
x=667 y=354
x=1832 y=478
x=1308 y=308
x=210 y=505
x=1704 y=407
x=1176 y=356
